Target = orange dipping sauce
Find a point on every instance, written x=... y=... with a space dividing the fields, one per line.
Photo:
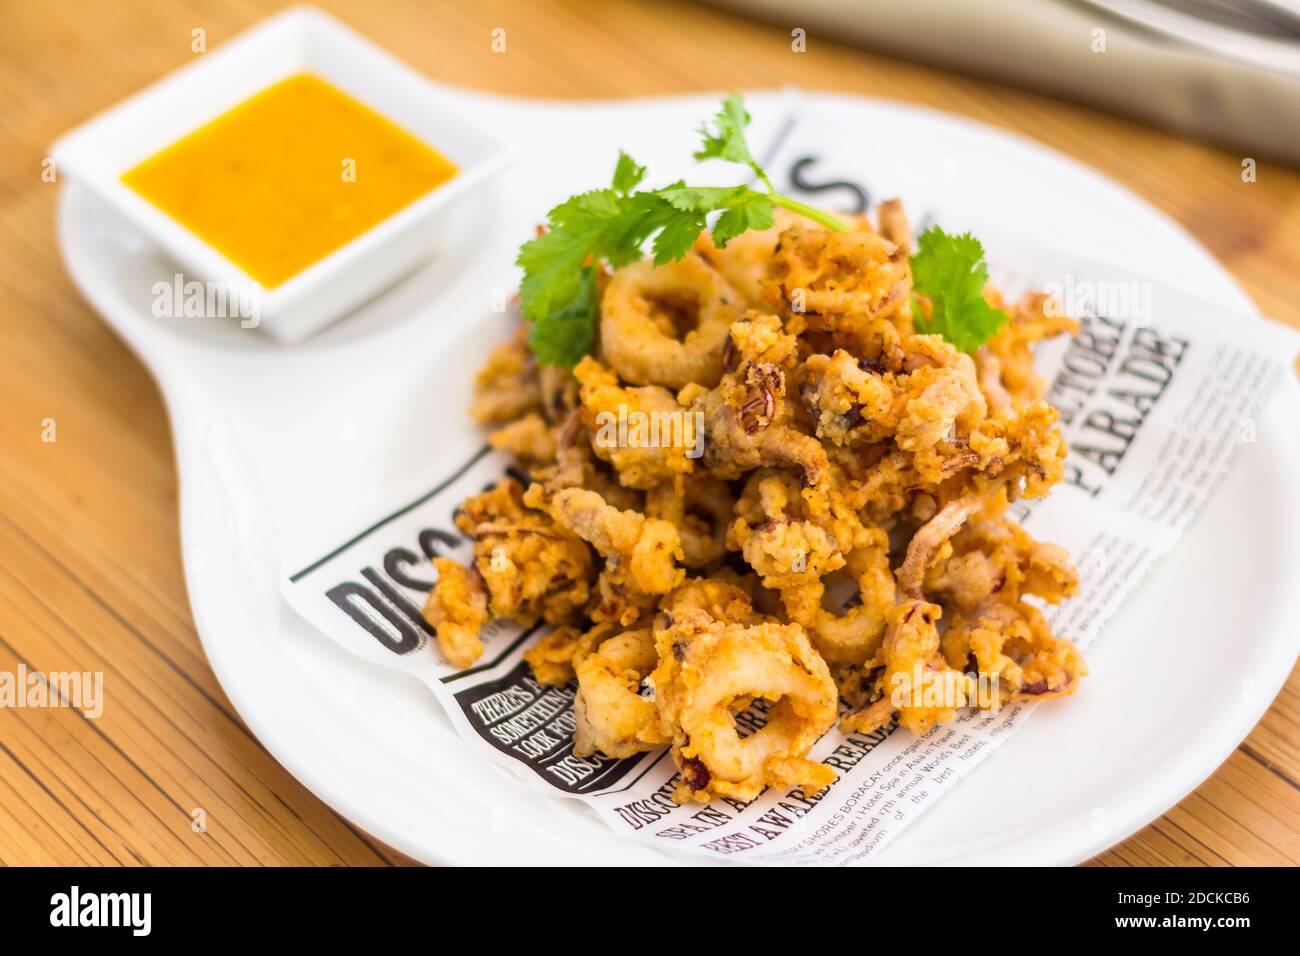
x=288 y=176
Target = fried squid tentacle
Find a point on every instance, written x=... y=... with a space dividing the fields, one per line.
x=923 y=549
x=612 y=716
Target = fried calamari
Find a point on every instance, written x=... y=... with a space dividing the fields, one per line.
x=526 y=567
x=767 y=417
x=709 y=671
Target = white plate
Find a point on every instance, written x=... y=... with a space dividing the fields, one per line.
x=270 y=440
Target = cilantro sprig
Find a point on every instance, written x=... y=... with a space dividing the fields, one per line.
x=950 y=271
x=612 y=225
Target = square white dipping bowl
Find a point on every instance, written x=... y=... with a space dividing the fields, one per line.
x=300 y=40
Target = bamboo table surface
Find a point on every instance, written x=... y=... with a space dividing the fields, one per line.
x=90 y=569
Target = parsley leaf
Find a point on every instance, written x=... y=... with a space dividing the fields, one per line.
x=566 y=334
x=950 y=271
x=627 y=174
x=611 y=226
x=552 y=262
x=753 y=211
x=643 y=214
x=727 y=140
x=678 y=235
x=701 y=198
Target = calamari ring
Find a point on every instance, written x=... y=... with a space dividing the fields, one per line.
x=638 y=331
x=744 y=260
x=701 y=509
x=705 y=668
x=855 y=636
x=612 y=716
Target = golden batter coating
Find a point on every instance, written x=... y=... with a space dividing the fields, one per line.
x=529 y=438
x=921 y=688
x=612 y=716
x=552 y=657
x=995 y=559
x=700 y=508
x=720 y=598
x=507 y=386
x=854 y=636
x=1013 y=644
x=837 y=281
x=1006 y=361
x=666 y=325
x=457 y=609
x=528 y=566
x=640 y=553
x=709 y=671
x=576 y=466
x=749 y=419
x=843 y=515
x=642 y=432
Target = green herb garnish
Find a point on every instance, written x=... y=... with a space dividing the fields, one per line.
x=611 y=225
x=950 y=271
